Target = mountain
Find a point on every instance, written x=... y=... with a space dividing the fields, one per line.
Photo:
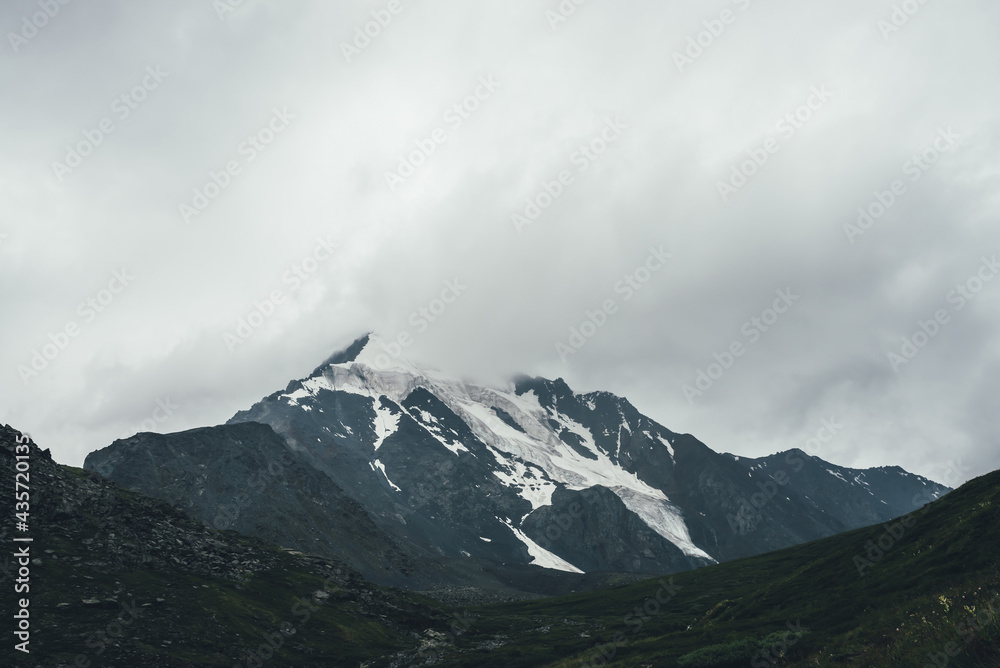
x=421 y=480
x=120 y=579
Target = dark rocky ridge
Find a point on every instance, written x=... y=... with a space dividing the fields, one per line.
x=853 y=497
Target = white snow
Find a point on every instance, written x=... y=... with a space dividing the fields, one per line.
x=665 y=443
x=386 y=424
x=293 y=397
x=381 y=467
x=575 y=427
x=624 y=421
x=836 y=475
x=528 y=458
x=539 y=555
x=663 y=518
x=527 y=480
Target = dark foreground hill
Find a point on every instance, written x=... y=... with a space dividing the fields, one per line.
x=119 y=579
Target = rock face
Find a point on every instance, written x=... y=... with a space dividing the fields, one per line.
x=244 y=477
x=416 y=478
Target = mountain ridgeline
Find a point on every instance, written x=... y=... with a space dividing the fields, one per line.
x=422 y=481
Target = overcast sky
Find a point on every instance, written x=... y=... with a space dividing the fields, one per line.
x=739 y=138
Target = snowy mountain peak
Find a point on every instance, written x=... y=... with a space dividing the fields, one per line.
x=534 y=473
x=532 y=438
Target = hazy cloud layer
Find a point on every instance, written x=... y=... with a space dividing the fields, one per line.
x=740 y=138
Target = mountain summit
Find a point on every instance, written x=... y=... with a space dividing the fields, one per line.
x=440 y=471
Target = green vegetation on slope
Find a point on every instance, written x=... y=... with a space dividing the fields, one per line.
x=901 y=594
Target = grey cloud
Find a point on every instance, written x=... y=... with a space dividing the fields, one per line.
x=657 y=184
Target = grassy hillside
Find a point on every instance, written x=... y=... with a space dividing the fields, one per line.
x=840 y=601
